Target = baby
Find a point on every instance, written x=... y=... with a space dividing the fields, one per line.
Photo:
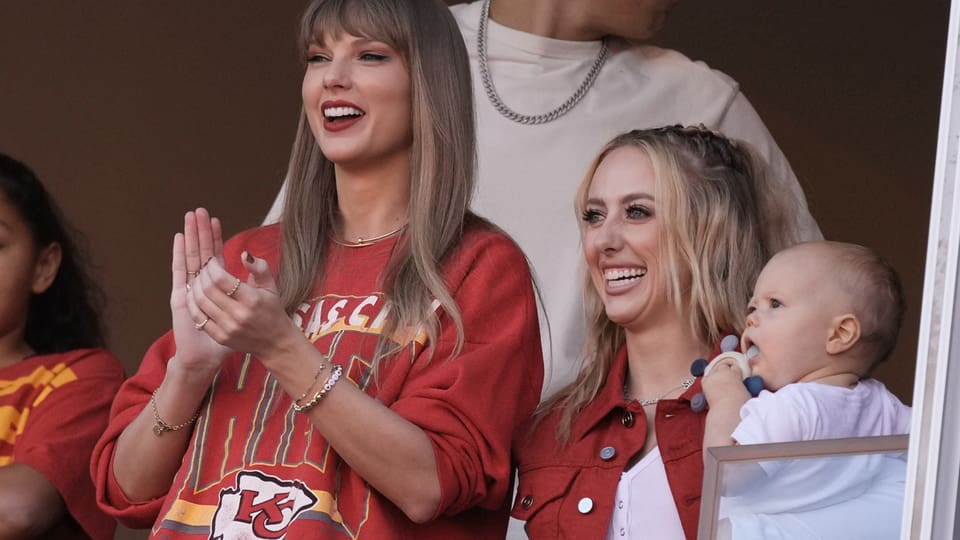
x=822 y=316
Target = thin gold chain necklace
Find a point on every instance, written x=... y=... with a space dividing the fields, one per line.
x=367 y=241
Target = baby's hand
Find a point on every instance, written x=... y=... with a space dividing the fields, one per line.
x=724 y=382
x=735 y=365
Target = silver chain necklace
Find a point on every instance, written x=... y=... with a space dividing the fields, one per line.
x=509 y=113
x=683 y=386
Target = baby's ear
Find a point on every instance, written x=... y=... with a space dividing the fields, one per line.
x=46 y=268
x=844 y=333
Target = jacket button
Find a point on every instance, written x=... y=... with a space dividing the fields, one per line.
x=585 y=505
x=627 y=419
x=607 y=453
x=527 y=501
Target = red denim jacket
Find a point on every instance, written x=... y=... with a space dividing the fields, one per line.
x=567 y=491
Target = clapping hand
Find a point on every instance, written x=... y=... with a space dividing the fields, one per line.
x=200 y=243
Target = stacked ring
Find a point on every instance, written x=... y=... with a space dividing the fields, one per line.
x=234 y=289
x=200 y=325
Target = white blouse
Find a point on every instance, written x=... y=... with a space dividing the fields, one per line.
x=644 y=506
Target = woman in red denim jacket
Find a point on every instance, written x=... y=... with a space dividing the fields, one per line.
x=674 y=230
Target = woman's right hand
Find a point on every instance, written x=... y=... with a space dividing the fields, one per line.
x=186 y=380
x=201 y=241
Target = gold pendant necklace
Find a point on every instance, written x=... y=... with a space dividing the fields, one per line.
x=683 y=386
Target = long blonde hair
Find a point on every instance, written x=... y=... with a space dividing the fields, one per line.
x=718 y=222
x=442 y=161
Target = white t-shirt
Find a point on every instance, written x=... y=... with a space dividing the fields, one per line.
x=790 y=496
x=528 y=174
x=808 y=411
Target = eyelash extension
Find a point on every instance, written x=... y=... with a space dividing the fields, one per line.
x=314 y=58
x=639 y=208
x=589 y=215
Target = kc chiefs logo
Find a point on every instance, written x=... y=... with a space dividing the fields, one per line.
x=261 y=507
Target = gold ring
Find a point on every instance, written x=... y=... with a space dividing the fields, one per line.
x=234 y=289
x=194 y=274
x=200 y=325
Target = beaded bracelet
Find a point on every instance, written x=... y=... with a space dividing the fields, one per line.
x=159 y=426
x=332 y=380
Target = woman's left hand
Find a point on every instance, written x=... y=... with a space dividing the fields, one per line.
x=246 y=317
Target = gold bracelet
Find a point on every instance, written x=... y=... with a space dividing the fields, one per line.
x=160 y=427
x=316 y=377
x=322 y=393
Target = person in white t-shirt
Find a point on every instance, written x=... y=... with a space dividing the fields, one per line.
x=555 y=80
x=822 y=316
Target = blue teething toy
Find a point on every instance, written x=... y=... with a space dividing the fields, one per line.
x=728 y=348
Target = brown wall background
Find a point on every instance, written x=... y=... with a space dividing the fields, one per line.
x=134 y=112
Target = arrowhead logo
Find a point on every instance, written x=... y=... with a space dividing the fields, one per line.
x=261 y=506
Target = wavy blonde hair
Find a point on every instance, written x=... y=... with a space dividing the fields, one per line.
x=719 y=222
x=442 y=161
